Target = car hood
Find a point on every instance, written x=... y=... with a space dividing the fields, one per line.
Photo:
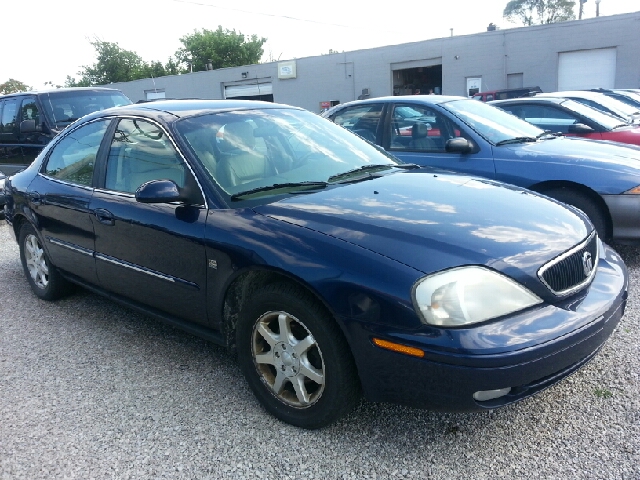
x=608 y=154
x=432 y=221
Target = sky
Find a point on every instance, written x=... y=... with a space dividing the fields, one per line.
x=51 y=38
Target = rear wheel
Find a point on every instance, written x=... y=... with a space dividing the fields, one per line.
x=46 y=282
x=295 y=358
x=591 y=209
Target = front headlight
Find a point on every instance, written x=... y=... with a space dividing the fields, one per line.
x=466 y=295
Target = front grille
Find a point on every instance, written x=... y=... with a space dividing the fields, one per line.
x=572 y=270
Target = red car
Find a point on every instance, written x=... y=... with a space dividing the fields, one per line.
x=505 y=93
x=569 y=117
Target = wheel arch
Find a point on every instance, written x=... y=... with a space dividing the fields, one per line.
x=241 y=287
x=591 y=194
x=17 y=222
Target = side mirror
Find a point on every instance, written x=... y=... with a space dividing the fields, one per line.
x=580 y=128
x=458 y=145
x=158 y=191
x=29 y=126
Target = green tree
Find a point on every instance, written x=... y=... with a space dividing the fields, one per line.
x=114 y=64
x=538 y=12
x=13 y=86
x=221 y=48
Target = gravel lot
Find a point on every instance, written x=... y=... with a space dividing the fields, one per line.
x=92 y=390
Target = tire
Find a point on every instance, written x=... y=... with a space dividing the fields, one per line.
x=587 y=205
x=306 y=377
x=45 y=280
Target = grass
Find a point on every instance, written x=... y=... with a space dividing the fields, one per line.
x=603 y=393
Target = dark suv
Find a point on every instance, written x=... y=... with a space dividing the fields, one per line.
x=29 y=120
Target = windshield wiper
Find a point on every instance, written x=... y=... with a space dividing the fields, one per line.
x=549 y=134
x=281 y=186
x=407 y=166
x=516 y=140
x=367 y=169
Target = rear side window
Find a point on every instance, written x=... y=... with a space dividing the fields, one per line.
x=74 y=157
x=362 y=119
x=9 y=113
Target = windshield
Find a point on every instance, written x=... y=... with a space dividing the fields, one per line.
x=65 y=107
x=617 y=106
x=598 y=116
x=250 y=150
x=494 y=124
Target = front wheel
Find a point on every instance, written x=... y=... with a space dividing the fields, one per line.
x=44 y=279
x=295 y=358
x=590 y=208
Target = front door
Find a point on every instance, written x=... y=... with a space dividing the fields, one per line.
x=153 y=253
x=418 y=134
x=33 y=142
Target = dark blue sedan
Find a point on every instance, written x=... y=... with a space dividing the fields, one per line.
x=600 y=178
x=331 y=268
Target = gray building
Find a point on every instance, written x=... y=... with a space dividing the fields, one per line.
x=598 y=52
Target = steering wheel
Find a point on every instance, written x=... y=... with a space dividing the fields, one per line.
x=304 y=159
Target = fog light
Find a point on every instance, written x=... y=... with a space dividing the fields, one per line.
x=484 y=395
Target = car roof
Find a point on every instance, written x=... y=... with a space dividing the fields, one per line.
x=573 y=93
x=424 y=99
x=536 y=99
x=61 y=90
x=188 y=107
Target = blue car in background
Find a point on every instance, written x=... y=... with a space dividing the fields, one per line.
x=330 y=267
x=600 y=178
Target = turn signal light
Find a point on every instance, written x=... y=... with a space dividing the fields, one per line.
x=396 y=347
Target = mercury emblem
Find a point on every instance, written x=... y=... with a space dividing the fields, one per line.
x=587 y=263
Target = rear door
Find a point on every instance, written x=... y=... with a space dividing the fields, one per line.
x=10 y=151
x=60 y=198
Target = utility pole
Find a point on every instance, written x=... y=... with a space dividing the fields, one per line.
x=581 y=9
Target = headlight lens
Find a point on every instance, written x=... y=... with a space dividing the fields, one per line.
x=467 y=295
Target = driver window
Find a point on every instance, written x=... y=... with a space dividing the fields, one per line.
x=544 y=117
x=30 y=110
x=420 y=129
x=140 y=152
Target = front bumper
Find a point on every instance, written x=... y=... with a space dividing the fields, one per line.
x=625 y=217
x=527 y=352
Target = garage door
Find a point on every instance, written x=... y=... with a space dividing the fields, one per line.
x=254 y=90
x=587 y=69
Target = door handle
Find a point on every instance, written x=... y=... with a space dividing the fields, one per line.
x=104 y=216
x=35 y=198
